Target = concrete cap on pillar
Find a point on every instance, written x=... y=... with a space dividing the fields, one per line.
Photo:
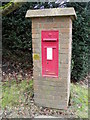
x=52 y=12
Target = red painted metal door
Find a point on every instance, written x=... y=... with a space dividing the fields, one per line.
x=49 y=43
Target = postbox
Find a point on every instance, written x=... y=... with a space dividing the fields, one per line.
x=49 y=43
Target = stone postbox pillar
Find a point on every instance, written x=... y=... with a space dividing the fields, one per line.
x=52 y=45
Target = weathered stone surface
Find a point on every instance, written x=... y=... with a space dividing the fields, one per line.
x=53 y=12
x=51 y=103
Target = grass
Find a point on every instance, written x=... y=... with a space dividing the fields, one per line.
x=13 y=95
x=79 y=100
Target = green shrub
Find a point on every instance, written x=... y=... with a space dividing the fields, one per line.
x=80 y=44
x=16 y=32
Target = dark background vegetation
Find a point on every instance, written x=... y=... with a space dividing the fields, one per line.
x=17 y=40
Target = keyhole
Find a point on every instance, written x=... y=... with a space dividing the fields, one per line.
x=50 y=34
x=47 y=62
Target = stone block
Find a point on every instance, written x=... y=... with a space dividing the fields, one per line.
x=35 y=31
x=35 y=36
x=51 y=103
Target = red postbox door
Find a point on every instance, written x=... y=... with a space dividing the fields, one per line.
x=49 y=43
